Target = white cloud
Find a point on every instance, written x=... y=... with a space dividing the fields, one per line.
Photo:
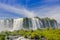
x=22 y=11
x=51 y=12
x=56 y=16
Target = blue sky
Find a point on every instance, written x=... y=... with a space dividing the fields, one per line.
x=30 y=8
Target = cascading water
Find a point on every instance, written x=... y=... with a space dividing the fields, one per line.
x=27 y=23
x=37 y=23
x=41 y=24
x=34 y=24
x=1 y=25
x=55 y=24
x=4 y=25
x=18 y=24
x=48 y=22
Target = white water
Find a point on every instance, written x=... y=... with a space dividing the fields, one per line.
x=21 y=38
x=34 y=24
x=17 y=24
x=5 y=25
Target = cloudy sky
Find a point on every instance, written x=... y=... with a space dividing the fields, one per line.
x=30 y=8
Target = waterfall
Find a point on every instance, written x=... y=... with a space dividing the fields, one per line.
x=41 y=24
x=49 y=24
x=34 y=24
x=55 y=24
x=30 y=23
x=6 y=24
x=37 y=23
x=18 y=24
x=26 y=23
x=2 y=25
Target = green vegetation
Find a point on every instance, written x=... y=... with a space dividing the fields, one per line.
x=2 y=37
x=48 y=34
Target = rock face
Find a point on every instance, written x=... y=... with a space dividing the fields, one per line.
x=27 y=23
x=37 y=23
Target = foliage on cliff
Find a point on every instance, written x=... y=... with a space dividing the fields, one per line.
x=48 y=34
